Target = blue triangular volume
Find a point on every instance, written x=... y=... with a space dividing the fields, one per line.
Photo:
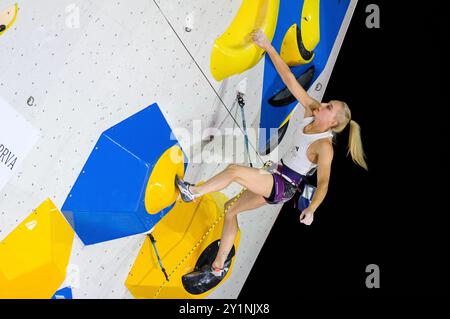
x=64 y=293
x=107 y=199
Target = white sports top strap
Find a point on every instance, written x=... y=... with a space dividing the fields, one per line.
x=296 y=158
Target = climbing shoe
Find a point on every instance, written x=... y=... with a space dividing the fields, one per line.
x=186 y=194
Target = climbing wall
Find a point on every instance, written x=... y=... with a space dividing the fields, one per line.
x=73 y=69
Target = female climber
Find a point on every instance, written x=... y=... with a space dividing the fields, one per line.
x=312 y=148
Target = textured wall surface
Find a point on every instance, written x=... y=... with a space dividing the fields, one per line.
x=75 y=68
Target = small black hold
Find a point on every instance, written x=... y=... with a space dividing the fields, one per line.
x=30 y=101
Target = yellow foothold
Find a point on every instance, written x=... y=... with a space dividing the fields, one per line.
x=181 y=236
x=161 y=191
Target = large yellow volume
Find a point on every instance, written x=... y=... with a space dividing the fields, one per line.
x=161 y=191
x=298 y=45
x=181 y=236
x=234 y=51
x=7 y=17
x=35 y=255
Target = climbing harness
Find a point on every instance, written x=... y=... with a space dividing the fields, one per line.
x=305 y=189
x=272 y=168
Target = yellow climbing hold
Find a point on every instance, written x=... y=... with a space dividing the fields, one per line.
x=290 y=51
x=310 y=24
x=7 y=17
x=161 y=191
x=309 y=33
x=234 y=52
x=181 y=236
x=35 y=255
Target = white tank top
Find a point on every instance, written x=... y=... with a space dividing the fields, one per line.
x=296 y=157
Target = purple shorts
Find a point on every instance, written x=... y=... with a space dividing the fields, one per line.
x=283 y=190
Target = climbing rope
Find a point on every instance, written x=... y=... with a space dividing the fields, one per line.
x=266 y=165
x=247 y=146
x=200 y=240
x=204 y=75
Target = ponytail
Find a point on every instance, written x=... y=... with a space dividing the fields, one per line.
x=355 y=148
x=355 y=145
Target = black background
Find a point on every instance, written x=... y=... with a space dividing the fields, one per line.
x=396 y=214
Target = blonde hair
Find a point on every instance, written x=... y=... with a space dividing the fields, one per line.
x=355 y=147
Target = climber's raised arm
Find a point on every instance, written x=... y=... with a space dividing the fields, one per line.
x=260 y=39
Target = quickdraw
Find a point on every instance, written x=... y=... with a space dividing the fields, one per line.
x=200 y=241
x=203 y=237
x=153 y=241
x=241 y=102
